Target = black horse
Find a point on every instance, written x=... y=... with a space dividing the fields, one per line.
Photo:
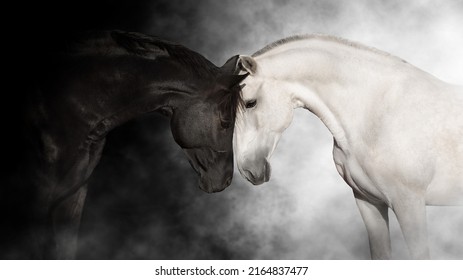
x=87 y=87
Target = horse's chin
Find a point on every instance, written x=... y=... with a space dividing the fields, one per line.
x=259 y=181
x=206 y=185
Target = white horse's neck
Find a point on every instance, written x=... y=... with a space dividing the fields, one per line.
x=336 y=80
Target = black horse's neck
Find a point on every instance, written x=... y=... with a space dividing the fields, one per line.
x=108 y=78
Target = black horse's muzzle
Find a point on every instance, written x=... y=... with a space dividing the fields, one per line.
x=215 y=168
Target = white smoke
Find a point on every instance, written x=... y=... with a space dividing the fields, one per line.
x=306 y=210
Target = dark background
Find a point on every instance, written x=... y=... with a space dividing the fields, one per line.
x=143 y=200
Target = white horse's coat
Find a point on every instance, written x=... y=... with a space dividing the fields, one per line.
x=398 y=131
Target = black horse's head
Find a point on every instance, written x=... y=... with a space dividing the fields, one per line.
x=203 y=126
x=200 y=100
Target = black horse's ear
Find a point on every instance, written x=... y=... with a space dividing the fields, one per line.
x=231 y=66
x=229 y=81
x=229 y=73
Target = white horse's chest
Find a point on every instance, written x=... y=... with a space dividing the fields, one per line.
x=355 y=175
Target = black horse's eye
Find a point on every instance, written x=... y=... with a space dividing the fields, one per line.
x=166 y=111
x=251 y=103
x=226 y=124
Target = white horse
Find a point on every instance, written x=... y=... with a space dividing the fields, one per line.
x=398 y=131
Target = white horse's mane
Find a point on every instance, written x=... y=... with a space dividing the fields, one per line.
x=323 y=37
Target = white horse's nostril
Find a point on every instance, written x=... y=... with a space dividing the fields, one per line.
x=248 y=175
x=267 y=171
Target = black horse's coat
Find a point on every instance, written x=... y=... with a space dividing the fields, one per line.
x=80 y=91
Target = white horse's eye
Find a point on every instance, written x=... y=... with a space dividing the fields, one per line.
x=251 y=103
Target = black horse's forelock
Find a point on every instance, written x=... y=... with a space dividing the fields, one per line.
x=143 y=45
x=237 y=101
x=231 y=100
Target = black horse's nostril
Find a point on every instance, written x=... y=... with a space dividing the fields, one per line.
x=228 y=181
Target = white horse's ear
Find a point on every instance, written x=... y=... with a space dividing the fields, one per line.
x=247 y=64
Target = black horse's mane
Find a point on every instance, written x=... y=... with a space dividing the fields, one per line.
x=120 y=42
x=146 y=46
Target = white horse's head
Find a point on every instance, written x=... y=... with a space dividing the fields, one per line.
x=260 y=120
